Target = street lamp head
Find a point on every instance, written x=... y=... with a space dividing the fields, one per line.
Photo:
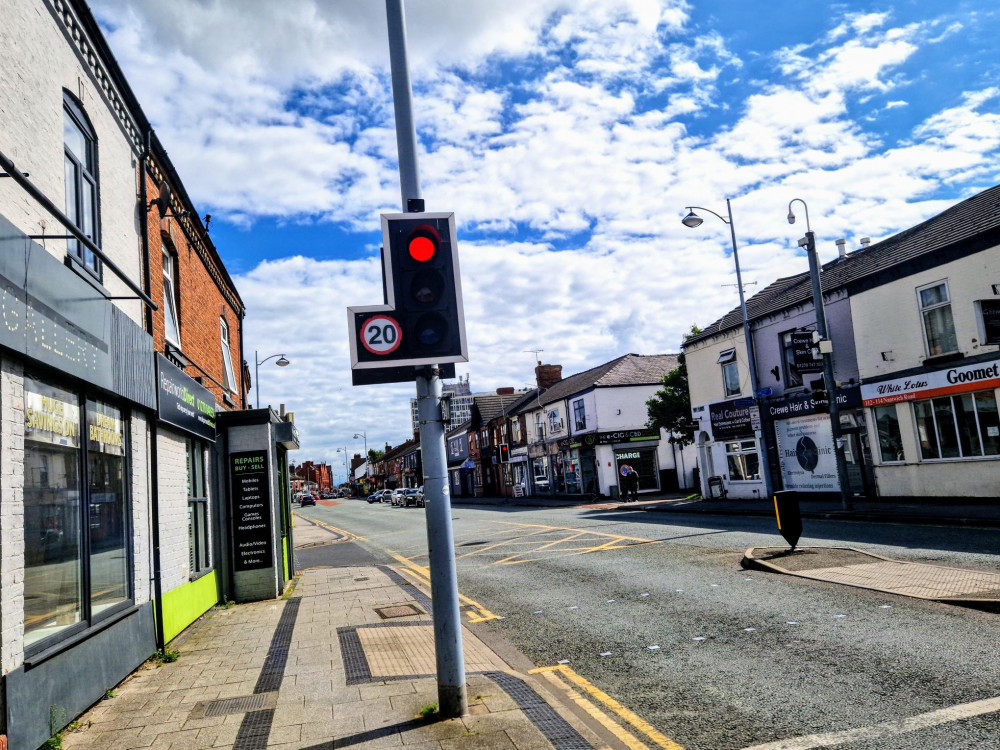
x=357 y=435
x=282 y=362
x=692 y=220
x=791 y=217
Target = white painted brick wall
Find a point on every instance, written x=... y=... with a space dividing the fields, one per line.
x=141 y=529
x=171 y=454
x=11 y=515
x=38 y=63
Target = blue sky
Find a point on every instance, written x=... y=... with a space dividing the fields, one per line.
x=567 y=137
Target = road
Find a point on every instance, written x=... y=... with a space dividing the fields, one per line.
x=655 y=610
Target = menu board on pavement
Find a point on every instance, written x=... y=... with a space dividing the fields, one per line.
x=251 y=510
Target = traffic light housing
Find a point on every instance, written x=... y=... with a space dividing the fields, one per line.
x=422 y=322
x=426 y=291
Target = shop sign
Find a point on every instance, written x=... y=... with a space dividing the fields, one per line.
x=182 y=402
x=806 y=454
x=51 y=415
x=622 y=436
x=730 y=422
x=804 y=353
x=251 y=508
x=104 y=429
x=977 y=377
x=801 y=404
x=990 y=310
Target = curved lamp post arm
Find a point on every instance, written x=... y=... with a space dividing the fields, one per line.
x=791 y=216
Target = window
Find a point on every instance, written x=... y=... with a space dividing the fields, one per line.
x=794 y=372
x=958 y=426
x=80 y=164
x=890 y=441
x=228 y=375
x=198 y=541
x=935 y=311
x=76 y=530
x=743 y=461
x=730 y=372
x=579 y=416
x=171 y=329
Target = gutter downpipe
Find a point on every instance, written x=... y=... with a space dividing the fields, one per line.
x=154 y=472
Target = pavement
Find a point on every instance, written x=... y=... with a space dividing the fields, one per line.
x=346 y=657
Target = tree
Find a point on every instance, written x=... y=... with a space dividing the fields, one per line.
x=374 y=455
x=670 y=407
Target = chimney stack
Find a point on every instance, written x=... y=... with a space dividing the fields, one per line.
x=505 y=391
x=842 y=247
x=547 y=376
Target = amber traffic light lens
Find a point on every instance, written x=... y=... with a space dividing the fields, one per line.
x=426 y=287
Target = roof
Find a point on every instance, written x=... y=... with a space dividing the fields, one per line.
x=966 y=227
x=492 y=405
x=628 y=369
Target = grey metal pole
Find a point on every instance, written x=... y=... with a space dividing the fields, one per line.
x=751 y=359
x=256 y=375
x=452 y=699
x=815 y=269
x=402 y=99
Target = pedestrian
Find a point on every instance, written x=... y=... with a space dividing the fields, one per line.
x=632 y=485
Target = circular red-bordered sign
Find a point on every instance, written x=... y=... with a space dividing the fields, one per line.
x=381 y=334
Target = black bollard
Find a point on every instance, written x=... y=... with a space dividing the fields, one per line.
x=786 y=510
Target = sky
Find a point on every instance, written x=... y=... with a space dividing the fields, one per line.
x=568 y=138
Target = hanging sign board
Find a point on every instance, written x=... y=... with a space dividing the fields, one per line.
x=250 y=489
x=803 y=353
x=183 y=402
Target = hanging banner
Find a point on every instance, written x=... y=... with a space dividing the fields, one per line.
x=806 y=454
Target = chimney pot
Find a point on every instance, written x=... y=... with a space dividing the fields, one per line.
x=842 y=247
x=866 y=241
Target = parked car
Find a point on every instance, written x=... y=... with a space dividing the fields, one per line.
x=378 y=496
x=413 y=496
x=307 y=500
x=397 y=496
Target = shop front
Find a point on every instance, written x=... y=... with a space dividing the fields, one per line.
x=541 y=480
x=938 y=432
x=733 y=452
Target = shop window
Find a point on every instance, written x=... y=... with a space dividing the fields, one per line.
x=938 y=324
x=228 y=374
x=960 y=426
x=80 y=164
x=198 y=534
x=171 y=327
x=730 y=372
x=890 y=441
x=76 y=531
x=579 y=415
x=743 y=461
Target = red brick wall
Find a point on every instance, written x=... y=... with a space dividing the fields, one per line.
x=201 y=304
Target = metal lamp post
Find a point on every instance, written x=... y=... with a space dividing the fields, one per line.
x=815 y=270
x=691 y=221
x=364 y=435
x=282 y=362
x=347 y=470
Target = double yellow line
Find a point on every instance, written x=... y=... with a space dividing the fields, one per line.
x=585 y=694
x=423 y=574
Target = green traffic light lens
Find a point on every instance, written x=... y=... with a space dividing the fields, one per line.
x=431 y=329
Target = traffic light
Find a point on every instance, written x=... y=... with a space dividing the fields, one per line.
x=425 y=285
x=504 y=453
x=422 y=322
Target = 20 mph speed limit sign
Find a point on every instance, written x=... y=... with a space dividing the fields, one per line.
x=380 y=334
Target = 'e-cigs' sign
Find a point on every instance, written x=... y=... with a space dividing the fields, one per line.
x=251 y=498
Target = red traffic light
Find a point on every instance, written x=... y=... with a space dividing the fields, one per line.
x=423 y=243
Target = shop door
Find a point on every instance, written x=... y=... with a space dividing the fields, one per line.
x=858 y=471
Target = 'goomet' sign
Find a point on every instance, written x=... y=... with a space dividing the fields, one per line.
x=977 y=377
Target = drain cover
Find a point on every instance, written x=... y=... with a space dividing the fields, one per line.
x=398 y=610
x=236 y=705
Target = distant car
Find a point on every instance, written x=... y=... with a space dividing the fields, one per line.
x=397 y=496
x=307 y=500
x=378 y=496
x=413 y=496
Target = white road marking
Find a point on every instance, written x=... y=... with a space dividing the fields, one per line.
x=888 y=729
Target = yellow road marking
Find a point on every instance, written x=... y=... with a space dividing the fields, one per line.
x=624 y=713
x=626 y=737
x=424 y=574
x=582 y=531
x=347 y=534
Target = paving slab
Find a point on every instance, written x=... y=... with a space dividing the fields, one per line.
x=854 y=567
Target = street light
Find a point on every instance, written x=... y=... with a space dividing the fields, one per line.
x=282 y=362
x=367 y=459
x=347 y=470
x=815 y=269
x=691 y=221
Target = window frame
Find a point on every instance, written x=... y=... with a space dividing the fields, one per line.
x=88 y=618
x=199 y=549
x=931 y=419
x=923 y=310
x=229 y=374
x=171 y=300
x=885 y=408
x=744 y=447
x=83 y=174
x=579 y=415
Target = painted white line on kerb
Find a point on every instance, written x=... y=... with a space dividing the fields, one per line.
x=888 y=729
